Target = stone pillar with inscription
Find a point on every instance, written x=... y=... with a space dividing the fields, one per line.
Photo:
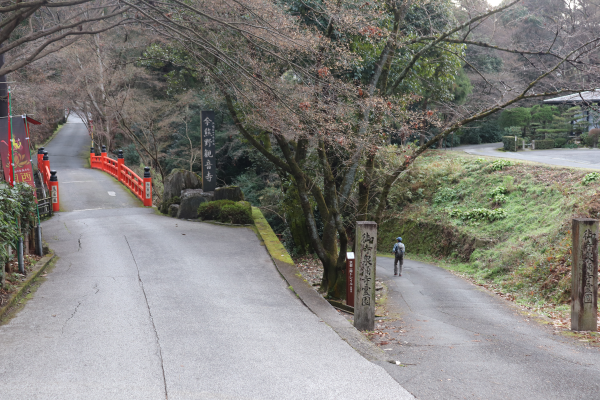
x=584 y=275
x=209 y=171
x=364 y=275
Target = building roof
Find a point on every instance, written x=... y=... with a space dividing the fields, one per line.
x=592 y=96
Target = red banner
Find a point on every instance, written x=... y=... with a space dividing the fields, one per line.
x=23 y=171
x=21 y=156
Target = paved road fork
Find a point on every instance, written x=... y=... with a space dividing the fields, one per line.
x=142 y=306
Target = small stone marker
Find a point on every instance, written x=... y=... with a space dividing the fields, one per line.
x=584 y=275
x=209 y=180
x=364 y=275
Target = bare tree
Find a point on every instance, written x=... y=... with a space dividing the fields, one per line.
x=319 y=94
x=32 y=30
x=293 y=82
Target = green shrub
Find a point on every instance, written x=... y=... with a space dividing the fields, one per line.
x=132 y=157
x=584 y=138
x=544 y=144
x=498 y=195
x=509 y=143
x=445 y=195
x=482 y=132
x=591 y=138
x=478 y=214
x=498 y=190
x=246 y=204
x=212 y=209
x=499 y=165
x=235 y=214
x=591 y=177
x=560 y=142
x=500 y=199
x=17 y=204
x=227 y=211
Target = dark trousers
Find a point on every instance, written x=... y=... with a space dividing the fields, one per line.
x=398 y=260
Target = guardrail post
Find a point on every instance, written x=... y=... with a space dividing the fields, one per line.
x=147 y=187
x=104 y=156
x=120 y=163
x=45 y=163
x=40 y=158
x=54 y=191
x=45 y=159
x=92 y=154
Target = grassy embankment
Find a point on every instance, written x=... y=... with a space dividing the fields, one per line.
x=504 y=224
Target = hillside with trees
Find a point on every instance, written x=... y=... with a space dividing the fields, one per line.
x=321 y=107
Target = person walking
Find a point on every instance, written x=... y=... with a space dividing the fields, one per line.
x=398 y=251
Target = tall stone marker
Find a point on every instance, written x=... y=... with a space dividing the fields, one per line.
x=364 y=275
x=584 y=275
x=209 y=178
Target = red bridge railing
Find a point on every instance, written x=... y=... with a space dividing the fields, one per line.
x=142 y=188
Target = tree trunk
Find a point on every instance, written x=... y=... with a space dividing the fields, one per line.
x=331 y=274
x=296 y=221
x=364 y=187
x=325 y=246
x=3 y=90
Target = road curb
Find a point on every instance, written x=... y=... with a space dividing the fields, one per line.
x=311 y=299
x=38 y=269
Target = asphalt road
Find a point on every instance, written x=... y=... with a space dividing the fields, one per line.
x=580 y=158
x=458 y=341
x=142 y=306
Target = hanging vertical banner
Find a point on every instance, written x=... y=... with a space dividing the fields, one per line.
x=11 y=174
x=209 y=179
x=23 y=171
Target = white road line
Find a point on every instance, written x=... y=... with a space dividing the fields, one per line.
x=112 y=194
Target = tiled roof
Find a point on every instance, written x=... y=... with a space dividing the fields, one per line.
x=591 y=96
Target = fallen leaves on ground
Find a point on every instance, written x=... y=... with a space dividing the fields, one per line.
x=311 y=269
x=13 y=280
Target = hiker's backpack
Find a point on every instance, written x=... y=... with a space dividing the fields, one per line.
x=400 y=249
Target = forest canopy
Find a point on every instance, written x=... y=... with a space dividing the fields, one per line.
x=320 y=105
